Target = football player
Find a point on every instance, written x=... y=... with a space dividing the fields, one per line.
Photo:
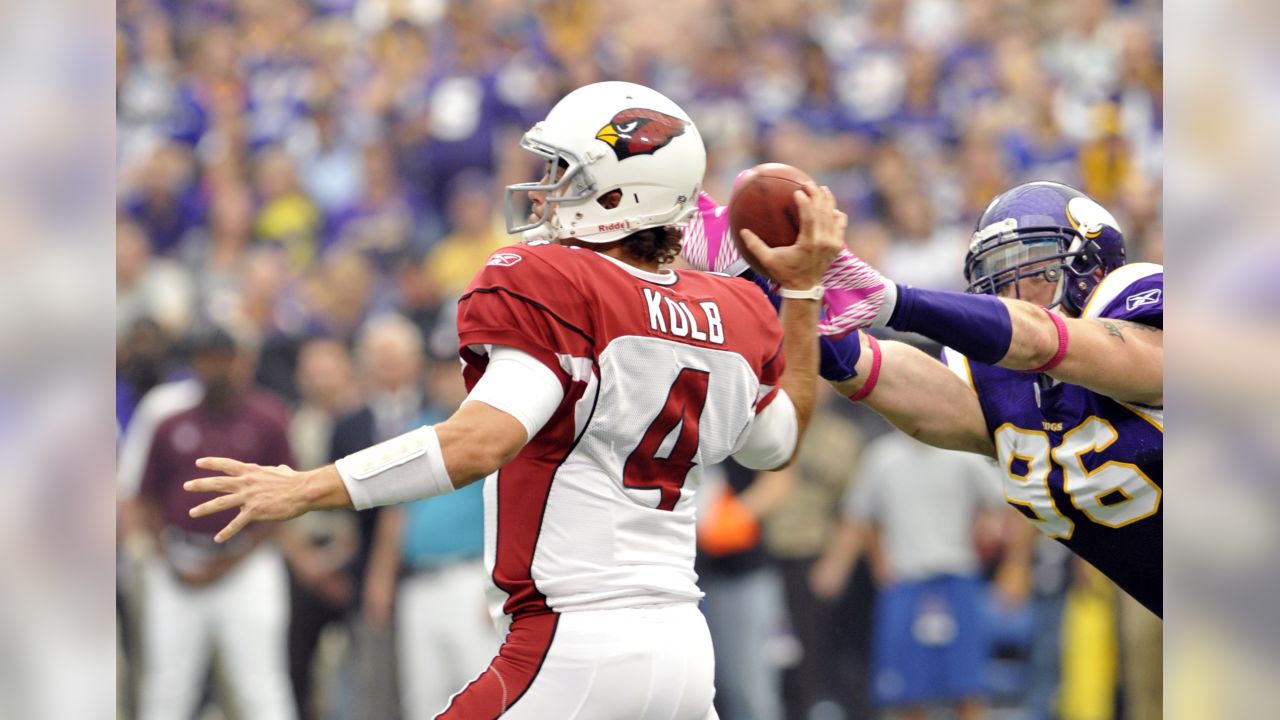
x=600 y=383
x=1052 y=364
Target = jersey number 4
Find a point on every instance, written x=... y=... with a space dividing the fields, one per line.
x=665 y=454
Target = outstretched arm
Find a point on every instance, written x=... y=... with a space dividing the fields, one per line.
x=473 y=443
x=509 y=404
x=1117 y=358
x=921 y=397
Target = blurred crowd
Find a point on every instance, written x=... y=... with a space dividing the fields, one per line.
x=320 y=180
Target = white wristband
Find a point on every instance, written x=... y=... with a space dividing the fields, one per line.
x=813 y=293
x=406 y=467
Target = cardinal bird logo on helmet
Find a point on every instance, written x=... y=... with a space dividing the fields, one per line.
x=638 y=131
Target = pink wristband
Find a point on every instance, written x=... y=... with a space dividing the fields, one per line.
x=873 y=376
x=1063 y=342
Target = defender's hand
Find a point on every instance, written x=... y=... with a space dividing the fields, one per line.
x=261 y=493
x=801 y=266
x=856 y=293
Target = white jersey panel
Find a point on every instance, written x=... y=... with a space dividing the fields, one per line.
x=604 y=544
x=579 y=369
x=494 y=595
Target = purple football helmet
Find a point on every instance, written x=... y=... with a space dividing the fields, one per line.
x=1044 y=229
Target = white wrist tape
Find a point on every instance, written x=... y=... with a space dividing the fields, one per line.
x=406 y=467
x=890 y=302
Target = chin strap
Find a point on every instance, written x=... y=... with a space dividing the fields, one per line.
x=541 y=234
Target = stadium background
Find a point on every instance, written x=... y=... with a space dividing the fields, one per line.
x=290 y=170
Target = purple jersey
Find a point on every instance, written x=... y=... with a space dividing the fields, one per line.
x=1084 y=468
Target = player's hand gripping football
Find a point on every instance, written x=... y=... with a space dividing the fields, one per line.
x=801 y=266
x=854 y=293
x=261 y=493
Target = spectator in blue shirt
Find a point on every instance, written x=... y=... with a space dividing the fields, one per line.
x=427 y=578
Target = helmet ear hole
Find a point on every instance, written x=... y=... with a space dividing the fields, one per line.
x=610 y=200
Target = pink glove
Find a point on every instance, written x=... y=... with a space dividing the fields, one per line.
x=855 y=291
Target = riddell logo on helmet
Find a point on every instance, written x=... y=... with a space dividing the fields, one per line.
x=612 y=226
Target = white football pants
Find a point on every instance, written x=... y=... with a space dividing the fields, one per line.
x=649 y=663
x=245 y=612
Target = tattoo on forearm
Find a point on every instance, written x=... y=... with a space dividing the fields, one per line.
x=1116 y=327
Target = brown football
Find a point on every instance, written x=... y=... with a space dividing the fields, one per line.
x=763 y=202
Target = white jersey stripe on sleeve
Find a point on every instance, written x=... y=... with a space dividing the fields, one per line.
x=580 y=369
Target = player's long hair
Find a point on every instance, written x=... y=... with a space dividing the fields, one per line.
x=660 y=245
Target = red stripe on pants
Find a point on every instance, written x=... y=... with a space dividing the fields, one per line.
x=511 y=672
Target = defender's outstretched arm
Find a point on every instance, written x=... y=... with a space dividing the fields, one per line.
x=1120 y=359
x=1117 y=358
x=920 y=396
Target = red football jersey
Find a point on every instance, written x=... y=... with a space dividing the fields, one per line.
x=663 y=375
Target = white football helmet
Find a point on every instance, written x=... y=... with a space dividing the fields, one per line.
x=604 y=137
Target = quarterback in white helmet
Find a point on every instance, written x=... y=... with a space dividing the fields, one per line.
x=600 y=384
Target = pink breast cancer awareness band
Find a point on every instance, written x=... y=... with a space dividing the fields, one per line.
x=1064 y=341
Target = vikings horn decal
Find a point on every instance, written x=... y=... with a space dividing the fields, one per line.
x=1088 y=217
x=637 y=131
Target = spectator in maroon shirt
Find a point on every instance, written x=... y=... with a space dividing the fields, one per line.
x=199 y=594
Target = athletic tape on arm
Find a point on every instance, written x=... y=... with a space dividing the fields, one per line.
x=411 y=466
x=519 y=385
x=406 y=467
x=771 y=441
